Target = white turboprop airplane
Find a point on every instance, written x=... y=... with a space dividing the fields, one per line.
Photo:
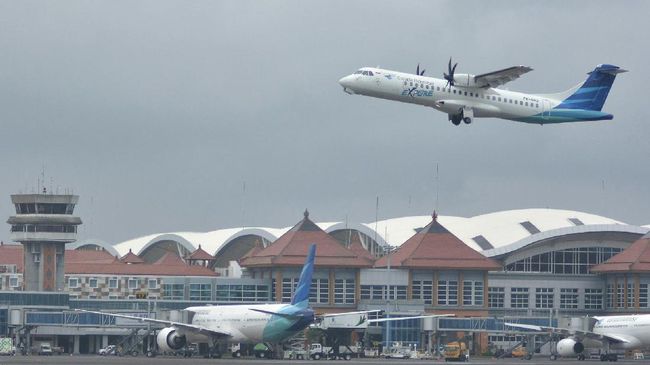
x=610 y=333
x=259 y=323
x=465 y=97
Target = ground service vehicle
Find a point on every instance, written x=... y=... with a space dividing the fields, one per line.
x=456 y=351
x=45 y=349
x=318 y=351
x=7 y=347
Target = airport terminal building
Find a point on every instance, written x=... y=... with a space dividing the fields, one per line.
x=540 y=264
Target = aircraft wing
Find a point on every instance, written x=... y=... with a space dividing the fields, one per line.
x=183 y=326
x=500 y=77
x=571 y=332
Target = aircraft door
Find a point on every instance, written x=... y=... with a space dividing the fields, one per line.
x=546 y=109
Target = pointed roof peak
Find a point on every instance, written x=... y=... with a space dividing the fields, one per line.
x=635 y=258
x=131 y=258
x=306 y=213
x=435 y=247
x=200 y=254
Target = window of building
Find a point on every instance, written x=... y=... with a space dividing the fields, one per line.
x=472 y=292
x=73 y=283
x=113 y=297
x=447 y=292
x=134 y=284
x=568 y=298
x=112 y=283
x=544 y=298
x=496 y=297
x=201 y=292
x=620 y=295
x=519 y=297
x=319 y=291
x=372 y=292
x=593 y=298
x=153 y=284
x=571 y=261
x=344 y=291
x=92 y=282
x=173 y=291
x=610 y=296
x=482 y=242
x=288 y=288
x=643 y=295
x=423 y=289
x=242 y=293
x=530 y=227
x=13 y=282
x=630 y=295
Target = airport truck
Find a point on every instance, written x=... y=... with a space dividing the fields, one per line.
x=456 y=351
x=7 y=347
x=318 y=351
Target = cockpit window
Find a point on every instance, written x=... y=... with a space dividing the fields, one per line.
x=370 y=73
x=357 y=72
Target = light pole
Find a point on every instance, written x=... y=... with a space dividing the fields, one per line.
x=388 y=294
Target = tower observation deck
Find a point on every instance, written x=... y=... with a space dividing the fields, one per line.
x=43 y=224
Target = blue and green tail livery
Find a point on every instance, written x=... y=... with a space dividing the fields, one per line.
x=301 y=295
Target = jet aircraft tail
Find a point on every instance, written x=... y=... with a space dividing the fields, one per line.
x=591 y=95
x=301 y=295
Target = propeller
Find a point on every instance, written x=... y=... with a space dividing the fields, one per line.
x=417 y=71
x=450 y=77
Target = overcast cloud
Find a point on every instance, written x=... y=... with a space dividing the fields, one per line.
x=158 y=112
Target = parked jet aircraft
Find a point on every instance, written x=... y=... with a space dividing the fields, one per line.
x=267 y=323
x=609 y=333
x=465 y=96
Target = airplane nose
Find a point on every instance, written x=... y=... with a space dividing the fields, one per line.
x=347 y=82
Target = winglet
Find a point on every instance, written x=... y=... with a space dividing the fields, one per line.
x=301 y=295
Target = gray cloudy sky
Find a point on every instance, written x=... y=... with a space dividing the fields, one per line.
x=157 y=112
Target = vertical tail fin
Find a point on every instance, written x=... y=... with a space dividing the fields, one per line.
x=593 y=93
x=301 y=295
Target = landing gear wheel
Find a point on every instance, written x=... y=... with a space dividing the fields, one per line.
x=467 y=120
x=455 y=120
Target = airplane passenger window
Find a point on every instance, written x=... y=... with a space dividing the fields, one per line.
x=499 y=98
x=521 y=102
x=411 y=83
x=370 y=73
x=405 y=83
x=465 y=93
x=454 y=91
x=494 y=97
x=471 y=94
x=536 y=105
x=438 y=88
x=526 y=104
x=476 y=95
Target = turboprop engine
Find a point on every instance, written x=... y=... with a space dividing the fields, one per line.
x=569 y=347
x=168 y=339
x=465 y=80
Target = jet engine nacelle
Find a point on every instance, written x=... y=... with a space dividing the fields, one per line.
x=466 y=80
x=168 y=339
x=569 y=347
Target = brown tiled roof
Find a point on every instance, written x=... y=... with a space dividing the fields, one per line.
x=102 y=263
x=89 y=256
x=635 y=258
x=435 y=247
x=357 y=247
x=141 y=269
x=291 y=249
x=170 y=259
x=131 y=258
x=200 y=254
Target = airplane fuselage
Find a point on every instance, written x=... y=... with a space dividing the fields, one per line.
x=458 y=100
x=247 y=325
x=633 y=328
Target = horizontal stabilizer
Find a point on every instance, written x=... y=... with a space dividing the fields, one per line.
x=284 y=315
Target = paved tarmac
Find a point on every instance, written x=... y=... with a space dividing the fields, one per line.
x=162 y=360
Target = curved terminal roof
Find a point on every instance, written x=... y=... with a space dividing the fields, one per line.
x=491 y=234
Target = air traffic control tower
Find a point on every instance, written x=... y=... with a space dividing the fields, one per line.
x=44 y=224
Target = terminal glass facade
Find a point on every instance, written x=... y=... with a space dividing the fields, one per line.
x=571 y=261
